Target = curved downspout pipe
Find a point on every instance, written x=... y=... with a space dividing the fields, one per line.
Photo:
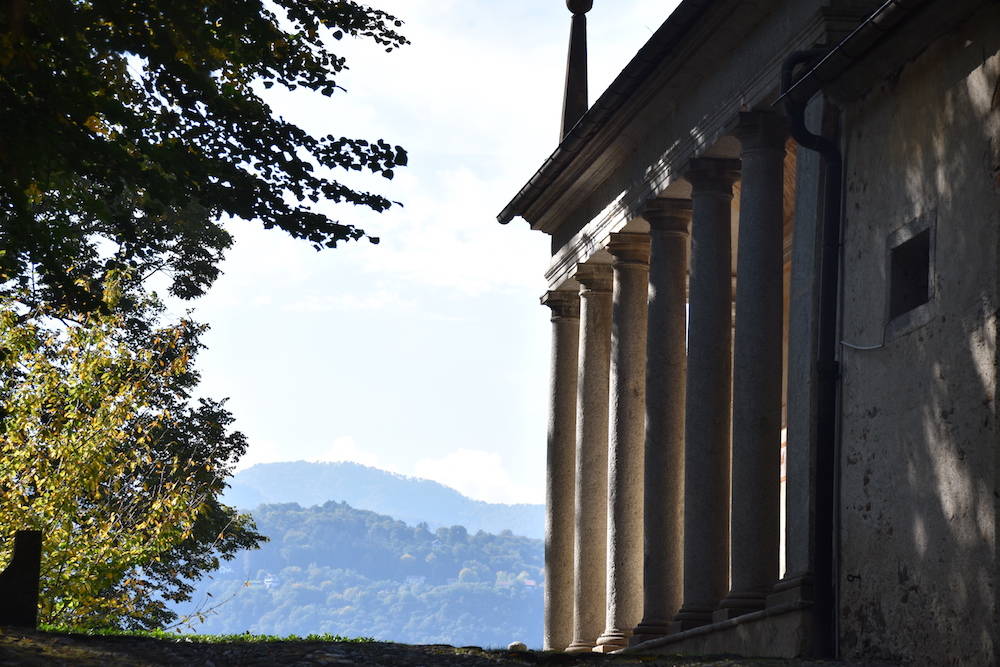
x=827 y=471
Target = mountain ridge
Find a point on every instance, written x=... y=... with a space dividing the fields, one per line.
x=413 y=500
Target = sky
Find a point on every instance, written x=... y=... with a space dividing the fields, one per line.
x=427 y=354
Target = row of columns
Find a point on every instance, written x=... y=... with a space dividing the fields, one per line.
x=663 y=456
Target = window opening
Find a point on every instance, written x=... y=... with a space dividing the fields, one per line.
x=909 y=278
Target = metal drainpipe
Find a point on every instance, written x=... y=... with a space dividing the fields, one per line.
x=795 y=94
x=827 y=369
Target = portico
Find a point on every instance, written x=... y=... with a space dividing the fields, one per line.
x=686 y=279
x=674 y=464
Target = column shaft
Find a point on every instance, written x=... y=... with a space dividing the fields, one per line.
x=666 y=364
x=592 y=456
x=626 y=437
x=560 y=478
x=757 y=369
x=709 y=392
x=801 y=539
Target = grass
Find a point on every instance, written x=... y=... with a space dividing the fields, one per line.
x=165 y=635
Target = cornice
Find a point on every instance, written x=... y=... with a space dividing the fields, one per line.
x=586 y=161
x=594 y=149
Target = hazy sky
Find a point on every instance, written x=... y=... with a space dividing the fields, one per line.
x=426 y=354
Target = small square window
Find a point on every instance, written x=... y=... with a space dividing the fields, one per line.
x=909 y=276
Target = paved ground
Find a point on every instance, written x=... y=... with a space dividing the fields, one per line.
x=31 y=649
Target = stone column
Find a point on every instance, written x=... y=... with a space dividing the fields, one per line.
x=626 y=437
x=589 y=561
x=757 y=366
x=560 y=473
x=666 y=363
x=801 y=538
x=709 y=392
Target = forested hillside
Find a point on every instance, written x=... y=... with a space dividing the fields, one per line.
x=405 y=498
x=336 y=569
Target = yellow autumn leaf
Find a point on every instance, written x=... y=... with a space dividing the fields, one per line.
x=96 y=125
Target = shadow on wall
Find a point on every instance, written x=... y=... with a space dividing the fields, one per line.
x=920 y=442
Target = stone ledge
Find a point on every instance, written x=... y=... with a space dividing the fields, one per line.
x=784 y=631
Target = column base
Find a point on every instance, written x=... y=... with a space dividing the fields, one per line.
x=649 y=630
x=689 y=618
x=773 y=633
x=796 y=588
x=612 y=640
x=739 y=603
x=580 y=647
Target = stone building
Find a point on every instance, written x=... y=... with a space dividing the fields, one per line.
x=783 y=217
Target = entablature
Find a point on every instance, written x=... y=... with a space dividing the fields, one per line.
x=723 y=62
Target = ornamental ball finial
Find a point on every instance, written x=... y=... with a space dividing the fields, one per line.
x=579 y=6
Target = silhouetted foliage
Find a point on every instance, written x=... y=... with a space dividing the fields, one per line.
x=130 y=128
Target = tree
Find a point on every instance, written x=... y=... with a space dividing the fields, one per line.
x=102 y=449
x=131 y=128
x=219 y=532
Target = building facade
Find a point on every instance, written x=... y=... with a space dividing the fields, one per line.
x=780 y=223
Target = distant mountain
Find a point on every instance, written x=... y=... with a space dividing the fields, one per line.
x=408 y=499
x=334 y=569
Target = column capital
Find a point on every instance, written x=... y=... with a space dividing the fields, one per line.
x=594 y=278
x=629 y=249
x=668 y=215
x=579 y=6
x=761 y=131
x=562 y=303
x=712 y=175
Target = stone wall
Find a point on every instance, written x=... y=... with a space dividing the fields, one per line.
x=919 y=452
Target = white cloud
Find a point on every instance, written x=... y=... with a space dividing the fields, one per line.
x=448 y=237
x=477 y=474
x=476 y=101
x=264 y=451
x=474 y=473
x=379 y=299
x=343 y=448
x=346 y=448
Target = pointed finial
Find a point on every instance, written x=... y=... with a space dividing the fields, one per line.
x=575 y=100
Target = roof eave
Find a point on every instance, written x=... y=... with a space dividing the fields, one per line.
x=625 y=84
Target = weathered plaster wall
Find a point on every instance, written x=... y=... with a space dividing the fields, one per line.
x=918 y=574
